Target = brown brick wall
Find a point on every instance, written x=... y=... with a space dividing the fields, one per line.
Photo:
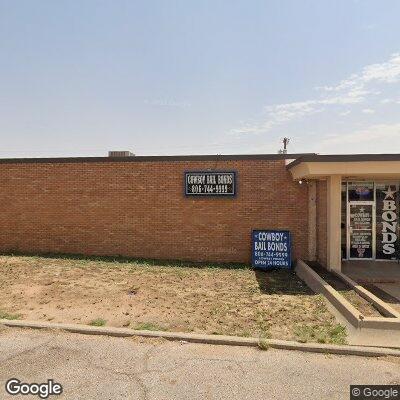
x=322 y=222
x=139 y=209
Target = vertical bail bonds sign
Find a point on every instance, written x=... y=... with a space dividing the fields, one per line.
x=271 y=249
x=387 y=221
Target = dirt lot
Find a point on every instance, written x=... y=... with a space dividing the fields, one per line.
x=149 y=295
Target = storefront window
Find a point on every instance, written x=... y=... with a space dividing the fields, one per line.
x=372 y=227
x=361 y=191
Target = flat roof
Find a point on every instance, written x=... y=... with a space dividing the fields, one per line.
x=213 y=157
x=344 y=158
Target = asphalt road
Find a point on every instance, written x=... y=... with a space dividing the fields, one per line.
x=98 y=367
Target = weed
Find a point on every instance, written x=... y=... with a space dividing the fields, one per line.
x=98 y=322
x=6 y=315
x=149 y=326
x=334 y=334
x=338 y=334
x=263 y=344
x=263 y=324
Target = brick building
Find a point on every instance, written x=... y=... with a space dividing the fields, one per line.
x=136 y=206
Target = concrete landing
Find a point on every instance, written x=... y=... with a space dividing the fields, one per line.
x=382 y=278
x=393 y=289
x=363 y=271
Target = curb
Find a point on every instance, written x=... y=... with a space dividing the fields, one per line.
x=208 y=339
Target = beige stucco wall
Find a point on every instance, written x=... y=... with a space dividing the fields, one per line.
x=321 y=201
x=334 y=209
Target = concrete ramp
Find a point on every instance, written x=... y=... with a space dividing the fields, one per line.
x=367 y=331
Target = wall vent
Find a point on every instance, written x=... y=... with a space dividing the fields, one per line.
x=120 y=154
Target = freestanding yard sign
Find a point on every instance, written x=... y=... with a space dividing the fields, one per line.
x=271 y=249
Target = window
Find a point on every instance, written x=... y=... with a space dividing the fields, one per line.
x=361 y=191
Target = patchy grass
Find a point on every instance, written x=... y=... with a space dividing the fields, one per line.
x=6 y=315
x=115 y=260
x=149 y=326
x=98 y=322
x=246 y=333
x=362 y=305
x=334 y=334
x=207 y=298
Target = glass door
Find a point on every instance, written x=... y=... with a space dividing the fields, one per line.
x=361 y=230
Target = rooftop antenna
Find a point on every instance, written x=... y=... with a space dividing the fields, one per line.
x=285 y=142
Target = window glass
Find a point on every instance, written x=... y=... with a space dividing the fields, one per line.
x=361 y=216
x=361 y=191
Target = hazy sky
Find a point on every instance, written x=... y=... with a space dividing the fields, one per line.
x=82 y=77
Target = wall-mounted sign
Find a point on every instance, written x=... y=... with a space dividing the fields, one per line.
x=387 y=204
x=271 y=249
x=205 y=183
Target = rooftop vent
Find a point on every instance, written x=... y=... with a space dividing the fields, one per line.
x=120 y=154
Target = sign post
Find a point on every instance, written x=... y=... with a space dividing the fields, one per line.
x=271 y=249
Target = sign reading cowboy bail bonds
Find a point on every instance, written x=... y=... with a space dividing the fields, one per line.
x=206 y=183
x=271 y=249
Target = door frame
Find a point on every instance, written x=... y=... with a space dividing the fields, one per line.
x=373 y=229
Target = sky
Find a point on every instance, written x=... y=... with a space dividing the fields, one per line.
x=79 y=78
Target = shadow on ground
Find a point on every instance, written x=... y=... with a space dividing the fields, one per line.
x=129 y=260
x=382 y=294
x=281 y=282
